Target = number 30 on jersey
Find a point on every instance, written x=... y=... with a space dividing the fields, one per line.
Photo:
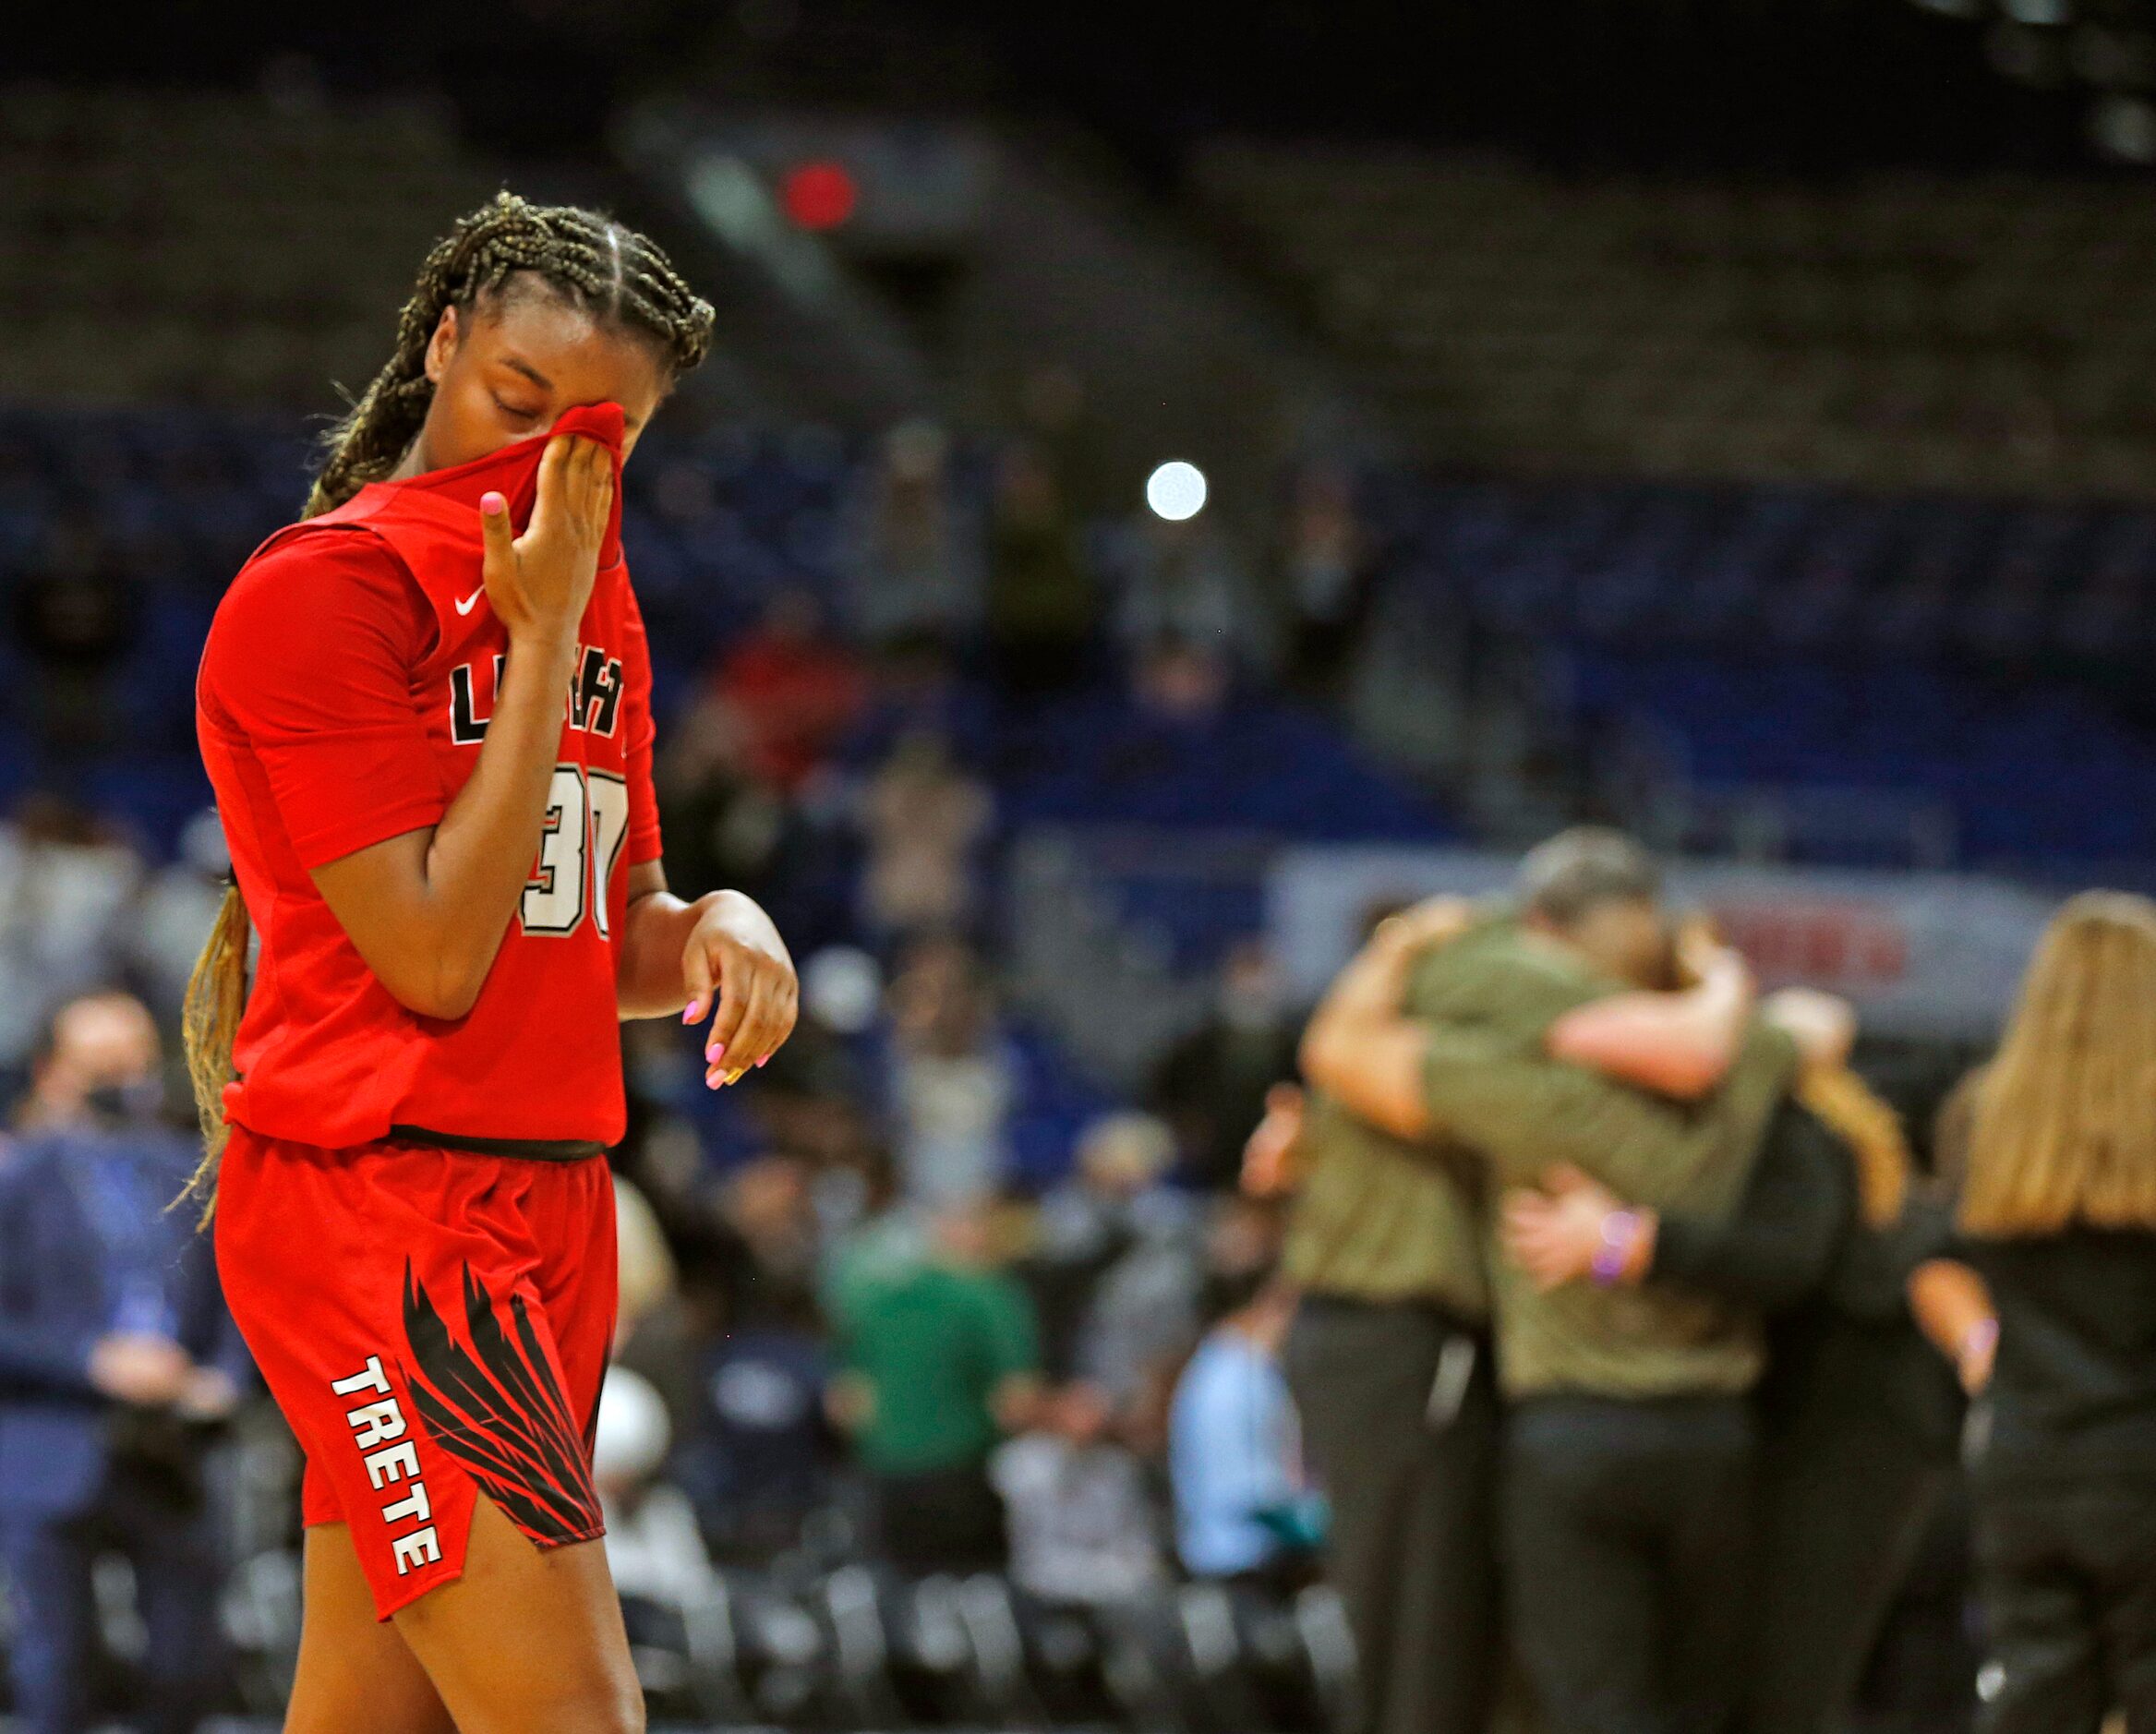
x=587 y=820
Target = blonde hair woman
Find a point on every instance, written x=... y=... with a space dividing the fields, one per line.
x=2058 y=1219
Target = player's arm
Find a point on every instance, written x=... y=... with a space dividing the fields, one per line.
x=1771 y=1253
x=1681 y=1044
x=719 y=956
x=1493 y=1087
x=428 y=909
x=1359 y=1046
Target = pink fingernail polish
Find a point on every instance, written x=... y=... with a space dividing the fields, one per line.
x=492 y=502
x=765 y=1061
x=717 y=1051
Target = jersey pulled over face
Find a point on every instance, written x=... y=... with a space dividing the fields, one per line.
x=343 y=697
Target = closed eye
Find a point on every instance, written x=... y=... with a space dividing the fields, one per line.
x=513 y=413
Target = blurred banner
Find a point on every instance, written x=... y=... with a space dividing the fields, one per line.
x=1926 y=954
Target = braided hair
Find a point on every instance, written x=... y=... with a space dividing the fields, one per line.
x=618 y=277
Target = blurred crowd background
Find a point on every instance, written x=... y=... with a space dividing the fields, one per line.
x=1165 y=491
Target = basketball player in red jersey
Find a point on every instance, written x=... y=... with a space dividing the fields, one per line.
x=425 y=710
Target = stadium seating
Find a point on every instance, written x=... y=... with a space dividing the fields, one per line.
x=1779 y=638
x=716 y=523
x=1981 y=656
x=1987 y=337
x=190 y=245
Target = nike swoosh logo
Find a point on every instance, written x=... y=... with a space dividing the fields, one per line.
x=471 y=601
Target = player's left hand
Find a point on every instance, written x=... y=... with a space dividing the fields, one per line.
x=734 y=961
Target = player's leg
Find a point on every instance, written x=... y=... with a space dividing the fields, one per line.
x=527 y=1640
x=354 y=1671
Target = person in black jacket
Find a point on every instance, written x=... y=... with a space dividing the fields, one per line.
x=2050 y=1309
x=1858 y=1420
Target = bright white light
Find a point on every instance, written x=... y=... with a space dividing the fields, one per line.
x=1177 y=490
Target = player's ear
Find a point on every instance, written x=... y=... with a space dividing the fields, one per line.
x=441 y=347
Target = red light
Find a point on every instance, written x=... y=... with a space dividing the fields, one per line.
x=818 y=195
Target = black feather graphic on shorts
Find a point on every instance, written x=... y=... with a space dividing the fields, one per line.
x=498 y=1408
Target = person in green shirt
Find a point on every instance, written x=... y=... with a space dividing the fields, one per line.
x=938 y=1360
x=1628 y=1447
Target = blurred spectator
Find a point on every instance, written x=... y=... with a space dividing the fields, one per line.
x=1118 y=1261
x=1081 y=1527
x=756 y=1452
x=1185 y=583
x=914 y=553
x=1211 y=1087
x=1234 y=1453
x=953 y=1081
x=117 y=1359
x=649 y=1280
x=876 y=1235
x=724 y=825
x=770 y=1214
x=759 y=1462
x=1243 y=1241
x=1060 y=424
x=792 y=689
x=842 y=991
x=924 y=818
x=654 y=1549
x=918 y=689
x=652 y=1325
x=1175 y=681
x=813 y=1103
x=1043 y=608
x=176 y=912
x=1325 y=577
x=65 y=880
x=939 y=1361
x=1112 y=1204
x=77 y=615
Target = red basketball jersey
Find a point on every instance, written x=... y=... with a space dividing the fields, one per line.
x=343 y=699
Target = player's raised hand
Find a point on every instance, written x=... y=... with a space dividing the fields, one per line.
x=737 y=970
x=539 y=582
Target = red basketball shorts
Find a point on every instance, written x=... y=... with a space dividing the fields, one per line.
x=433 y=1324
